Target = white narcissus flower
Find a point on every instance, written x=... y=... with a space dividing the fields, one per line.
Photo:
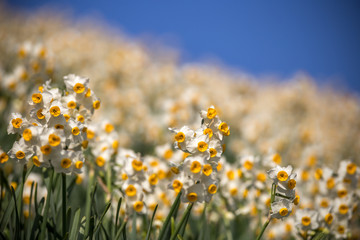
x=16 y=123
x=280 y=174
x=281 y=209
x=307 y=219
x=21 y=152
x=194 y=193
x=182 y=137
x=76 y=84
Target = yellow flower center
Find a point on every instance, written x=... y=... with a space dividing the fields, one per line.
x=175 y=170
x=88 y=93
x=342 y=193
x=79 y=88
x=209 y=132
x=80 y=118
x=223 y=127
x=192 y=197
x=27 y=134
x=248 y=165
x=67 y=117
x=54 y=140
x=324 y=203
x=90 y=134
x=36 y=161
x=195 y=167
x=36 y=98
x=71 y=105
x=79 y=164
x=115 y=144
x=230 y=174
x=65 y=163
x=85 y=143
x=330 y=183
x=261 y=177
x=138 y=206
x=312 y=160
x=168 y=154
x=96 y=104
x=211 y=113
x=100 y=161
x=329 y=218
x=46 y=149
x=351 y=168
x=59 y=126
x=213 y=152
x=233 y=191
x=4 y=158
x=39 y=114
x=207 y=170
x=109 y=128
x=305 y=175
x=153 y=180
x=219 y=167
x=305 y=221
x=177 y=185
x=16 y=122
x=55 y=111
x=296 y=200
x=78 y=179
x=180 y=137
x=343 y=209
x=318 y=173
x=75 y=131
x=212 y=189
x=124 y=176
x=202 y=146
x=277 y=158
x=137 y=165
x=291 y=183
x=283 y=211
x=341 y=229
x=130 y=190
x=20 y=154
x=282 y=176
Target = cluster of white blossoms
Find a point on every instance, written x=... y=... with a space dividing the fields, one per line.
x=197 y=176
x=283 y=191
x=333 y=202
x=54 y=131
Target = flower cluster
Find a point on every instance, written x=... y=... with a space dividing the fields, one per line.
x=54 y=132
x=283 y=191
x=197 y=176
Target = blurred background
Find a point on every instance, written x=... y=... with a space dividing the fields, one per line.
x=269 y=40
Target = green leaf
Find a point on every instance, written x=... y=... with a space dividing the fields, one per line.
x=320 y=236
x=75 y=225
x=117 y=212
x=89 y=197
x=150 y=225
x=122 y=230
x=47 y=206
x=183 y=221
x=133 y=232
x=173 y=210
x=17 y=226
x=102 y=216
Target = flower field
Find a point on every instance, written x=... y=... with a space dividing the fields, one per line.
x=101 y=138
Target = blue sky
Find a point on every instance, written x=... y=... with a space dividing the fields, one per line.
x=321 y=38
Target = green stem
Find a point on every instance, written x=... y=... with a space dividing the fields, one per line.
x=182 y=221
x=63 y=204
x=263 y=228
x=47 y=205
